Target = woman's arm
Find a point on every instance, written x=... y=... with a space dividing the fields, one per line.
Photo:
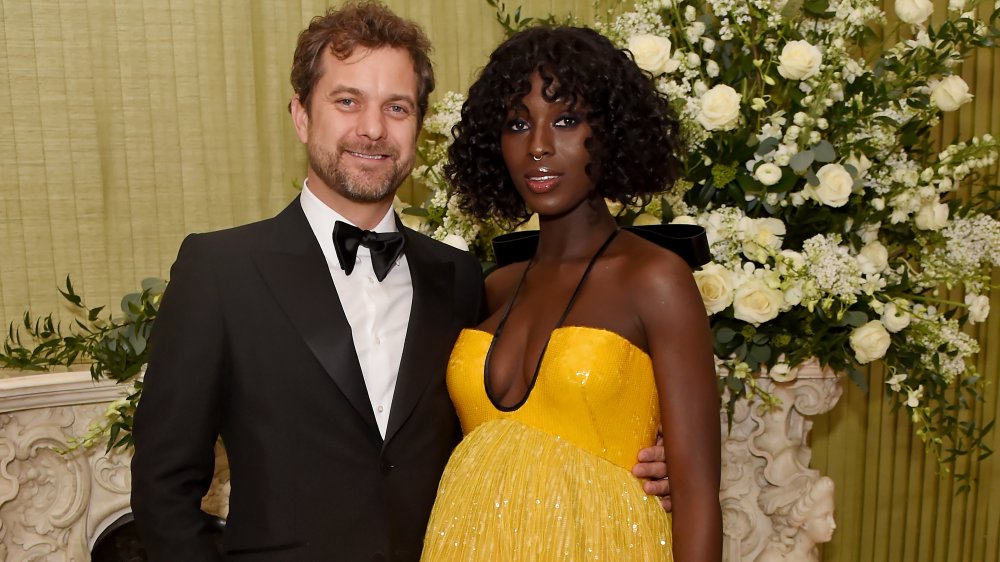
x=677 y=332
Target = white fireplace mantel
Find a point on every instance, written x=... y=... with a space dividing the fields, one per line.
x=54 y=506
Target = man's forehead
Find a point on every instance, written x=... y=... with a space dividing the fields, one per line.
x=382 y=64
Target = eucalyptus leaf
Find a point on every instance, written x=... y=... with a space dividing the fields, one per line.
x=767 y=145
x=801 y=161
x=725 y=335
x=812 y=178
x=854 y=318
x=824 y=151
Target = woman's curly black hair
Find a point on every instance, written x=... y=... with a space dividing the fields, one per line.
x=634 y=131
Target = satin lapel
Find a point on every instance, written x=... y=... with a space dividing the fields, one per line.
x=430 y=320
x=298 y=276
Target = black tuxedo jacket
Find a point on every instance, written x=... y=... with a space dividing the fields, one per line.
x=251 y=343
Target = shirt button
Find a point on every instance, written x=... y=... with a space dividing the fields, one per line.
x=378 y=340
x=380 y=408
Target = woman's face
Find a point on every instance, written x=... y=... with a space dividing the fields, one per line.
x=544 y=148
x=820 y=525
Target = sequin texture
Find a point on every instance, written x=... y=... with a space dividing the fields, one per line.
x=552 y=480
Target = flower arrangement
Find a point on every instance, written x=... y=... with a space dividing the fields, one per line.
x=835 y=225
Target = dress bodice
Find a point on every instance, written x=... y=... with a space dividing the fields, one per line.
x=594 y=389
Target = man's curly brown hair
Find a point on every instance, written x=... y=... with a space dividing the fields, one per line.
x=367 y=24
x=635 y=135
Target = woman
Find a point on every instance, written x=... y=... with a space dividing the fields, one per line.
x=591 y=343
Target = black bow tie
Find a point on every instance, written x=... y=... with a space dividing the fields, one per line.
x=386 y=247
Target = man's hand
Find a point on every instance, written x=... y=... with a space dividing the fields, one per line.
x=653 y=466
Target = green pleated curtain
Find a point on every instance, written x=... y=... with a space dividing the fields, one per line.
x=126 y=124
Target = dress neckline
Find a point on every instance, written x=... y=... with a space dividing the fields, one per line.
x=562 y=318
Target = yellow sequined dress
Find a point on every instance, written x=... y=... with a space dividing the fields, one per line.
x=551 y=480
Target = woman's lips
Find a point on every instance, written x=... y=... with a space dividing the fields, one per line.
x=542 y=180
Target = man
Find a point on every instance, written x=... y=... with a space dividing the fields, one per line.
x=321 y=369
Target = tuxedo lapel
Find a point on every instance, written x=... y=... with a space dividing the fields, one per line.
x=296 y=272
x=431 y=317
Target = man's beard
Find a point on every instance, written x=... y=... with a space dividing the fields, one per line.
x=359 y=186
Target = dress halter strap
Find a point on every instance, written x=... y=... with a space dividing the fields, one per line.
x=559 y=323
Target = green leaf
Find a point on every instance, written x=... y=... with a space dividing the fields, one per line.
x=725 y=335
x=767 y=145
x=854 y=318
x=824 y=151
x=801 y=161
x=812 y=178
x=859 y=379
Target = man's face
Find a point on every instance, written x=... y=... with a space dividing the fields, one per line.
x=361 y=127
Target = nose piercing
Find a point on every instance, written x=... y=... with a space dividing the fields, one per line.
x=536 y=158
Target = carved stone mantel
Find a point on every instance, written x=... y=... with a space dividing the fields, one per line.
x=765 y=464
x=53 y=507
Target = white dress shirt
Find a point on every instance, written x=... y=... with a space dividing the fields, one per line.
x=377 y=312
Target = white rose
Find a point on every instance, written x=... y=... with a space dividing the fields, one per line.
x=870 y=342
x=950 y=93
x=933 y=215
x=652 y=53
x=873 y=258
x=799 y=60
x=767 y=173
x=979 y=307
x=715 y=283
x=720 y=108
x=645 y=219
x=783 y=372
x=914 y=11
x=684 y=219
x=835 y=184
x=893 y=318
x=755 y=302
x=956 y=5
x=456 y=241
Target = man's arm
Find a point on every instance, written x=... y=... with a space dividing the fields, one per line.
x=177 y=420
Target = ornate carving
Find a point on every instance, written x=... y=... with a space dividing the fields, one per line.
x=52 y=506
x=765 y=458
x=52 y=491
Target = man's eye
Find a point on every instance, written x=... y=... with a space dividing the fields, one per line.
x=398 y=109
x=346 y=102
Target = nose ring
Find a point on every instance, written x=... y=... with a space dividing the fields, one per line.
x=536 y=158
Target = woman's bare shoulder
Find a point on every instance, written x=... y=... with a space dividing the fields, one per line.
x=500 y=283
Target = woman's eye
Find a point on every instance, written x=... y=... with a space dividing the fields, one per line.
x=567 y=121
x=517 y=125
